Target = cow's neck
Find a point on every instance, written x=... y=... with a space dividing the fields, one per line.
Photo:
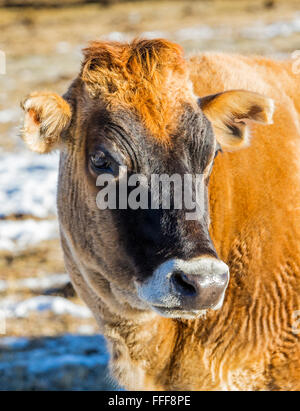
x=220 y=351
x=162 y=354
x=141 y=350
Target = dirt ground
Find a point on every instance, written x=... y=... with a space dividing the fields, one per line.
x=42 y=49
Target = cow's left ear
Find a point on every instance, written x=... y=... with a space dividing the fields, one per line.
x=231 y=112
x=47 y=115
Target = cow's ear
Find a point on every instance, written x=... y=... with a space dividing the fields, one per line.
x=231 y=112
x=47 y=115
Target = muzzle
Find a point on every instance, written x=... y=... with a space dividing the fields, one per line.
x=181 y=288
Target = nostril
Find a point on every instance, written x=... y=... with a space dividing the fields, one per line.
x=183 y=284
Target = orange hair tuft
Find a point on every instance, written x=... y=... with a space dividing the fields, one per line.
x=149 y=76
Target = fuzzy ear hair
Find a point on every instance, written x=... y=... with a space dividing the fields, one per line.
x=231 y=113
x=46 y=116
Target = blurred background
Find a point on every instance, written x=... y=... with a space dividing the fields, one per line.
x=48 y=338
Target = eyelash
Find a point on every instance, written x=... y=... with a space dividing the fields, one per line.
x=104 y=163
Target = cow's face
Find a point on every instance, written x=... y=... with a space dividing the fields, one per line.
x=132 y=111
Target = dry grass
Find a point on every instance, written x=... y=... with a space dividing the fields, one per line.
x=38 y=261
x=36 y=31
x=47 y=324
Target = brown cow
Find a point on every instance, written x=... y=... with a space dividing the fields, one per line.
x=154 y=280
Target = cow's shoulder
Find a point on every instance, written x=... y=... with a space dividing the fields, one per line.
x=215 y=72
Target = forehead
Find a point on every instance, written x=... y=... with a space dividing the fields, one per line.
x=192 y=144
x=99 y=121
x=148 y=78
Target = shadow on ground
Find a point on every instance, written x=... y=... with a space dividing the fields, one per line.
x=69 y=362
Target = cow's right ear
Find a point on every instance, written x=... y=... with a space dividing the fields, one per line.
x=47 y=115
x=232 y=112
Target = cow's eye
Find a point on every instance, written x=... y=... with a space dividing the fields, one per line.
x=101 y=163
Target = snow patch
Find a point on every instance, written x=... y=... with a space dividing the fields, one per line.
x=56 y=305
x=3 y=286
x=261 y=31
x=18 y=235
x=154 y=34
x=197 y=32
x=28 y=184
x=117 y=36
x=269 y=31
x=34 y=284
x=10 y=115
x=69 y=362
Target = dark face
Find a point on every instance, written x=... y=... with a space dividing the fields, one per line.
x=151 y=258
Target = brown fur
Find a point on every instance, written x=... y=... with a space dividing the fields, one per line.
x=249 y=344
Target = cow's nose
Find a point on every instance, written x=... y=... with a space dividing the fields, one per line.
x=200 y=282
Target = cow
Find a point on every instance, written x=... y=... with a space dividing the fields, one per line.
x=209 y=303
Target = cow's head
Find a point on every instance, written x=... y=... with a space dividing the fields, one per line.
x=133 y=105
